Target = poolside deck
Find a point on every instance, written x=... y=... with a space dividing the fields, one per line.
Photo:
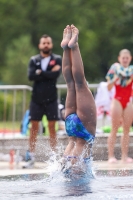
x=40 y=168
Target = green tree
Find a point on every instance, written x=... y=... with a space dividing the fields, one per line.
x=105 y=28
x=18 y=54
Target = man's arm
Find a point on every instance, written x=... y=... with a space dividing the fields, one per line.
x=55 y=72
x=38 y=75
x=33 y=73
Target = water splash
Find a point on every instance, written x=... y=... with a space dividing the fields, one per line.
x=61 y=170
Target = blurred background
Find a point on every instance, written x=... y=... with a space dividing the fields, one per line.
x=105 y=28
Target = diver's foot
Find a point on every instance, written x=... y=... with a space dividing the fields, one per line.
x=67 y=34
x=112 y=160
x=74 y=38
x=127 y=160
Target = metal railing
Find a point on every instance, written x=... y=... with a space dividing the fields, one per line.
x=9 y=96
x=60 y=87
x=19 y=102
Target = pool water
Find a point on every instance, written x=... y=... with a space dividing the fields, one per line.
x=71 y=184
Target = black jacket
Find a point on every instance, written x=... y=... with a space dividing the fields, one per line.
x=44 y=87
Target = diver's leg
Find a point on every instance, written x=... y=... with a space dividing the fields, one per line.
x=70 y=106
x=86 y=109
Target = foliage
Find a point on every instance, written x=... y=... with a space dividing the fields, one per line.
x=17 y=58
x=105 y=28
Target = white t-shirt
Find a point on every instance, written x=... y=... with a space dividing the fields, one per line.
x=45 y=62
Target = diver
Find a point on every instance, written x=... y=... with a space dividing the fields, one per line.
x=80 y=109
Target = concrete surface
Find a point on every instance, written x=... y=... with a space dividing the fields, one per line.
x=40 y=168
x=43 y=148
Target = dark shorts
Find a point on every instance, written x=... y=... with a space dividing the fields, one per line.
x=38 y=110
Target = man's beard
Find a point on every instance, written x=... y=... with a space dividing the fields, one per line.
x=48 y=51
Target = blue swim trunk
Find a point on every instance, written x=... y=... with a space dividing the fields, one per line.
x=75 y=128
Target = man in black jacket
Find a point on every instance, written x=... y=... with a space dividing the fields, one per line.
x=44 y=69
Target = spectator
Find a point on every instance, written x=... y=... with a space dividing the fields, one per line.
x=120 y=75
x=44 y=69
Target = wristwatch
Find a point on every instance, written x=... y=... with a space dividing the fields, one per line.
x=38 y=71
